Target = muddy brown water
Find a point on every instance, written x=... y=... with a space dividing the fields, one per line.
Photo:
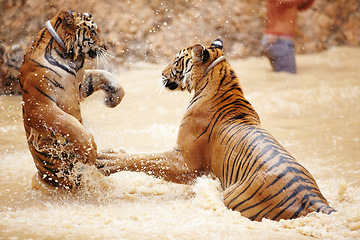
x=314 y=114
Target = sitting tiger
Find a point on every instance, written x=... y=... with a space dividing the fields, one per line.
x=53 y=83
x=221 y=135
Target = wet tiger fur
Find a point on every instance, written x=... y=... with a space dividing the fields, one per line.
x=53 y=83
x=221 y=135
x=11 y=57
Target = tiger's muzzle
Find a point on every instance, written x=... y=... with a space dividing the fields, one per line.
x=168 y=84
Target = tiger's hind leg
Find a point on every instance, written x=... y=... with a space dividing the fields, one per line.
x=244 y=198
x=95 y=80
x=168 y=165
x=255 y=200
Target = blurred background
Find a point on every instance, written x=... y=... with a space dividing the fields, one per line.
x=152 y=31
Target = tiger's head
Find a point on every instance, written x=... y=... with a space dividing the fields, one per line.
x=80 y=35
x=190 y=66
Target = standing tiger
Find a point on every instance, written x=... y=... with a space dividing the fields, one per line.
x=53 y=82
x=220 y=134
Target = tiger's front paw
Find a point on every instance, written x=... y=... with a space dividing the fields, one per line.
x=86 y=147
x=114 y=95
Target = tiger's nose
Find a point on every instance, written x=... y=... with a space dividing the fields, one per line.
x=170 y=85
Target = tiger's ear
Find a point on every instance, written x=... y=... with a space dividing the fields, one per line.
x=218 y=43
x=69 y=21
x=200 y=53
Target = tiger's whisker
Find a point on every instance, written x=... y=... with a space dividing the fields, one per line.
x=105 y=55
x=97 y=60
x=162 y=87
x=158 y=88
x=110 y=53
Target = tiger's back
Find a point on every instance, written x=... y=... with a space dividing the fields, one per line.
x=261 y=179
x=221 y=130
